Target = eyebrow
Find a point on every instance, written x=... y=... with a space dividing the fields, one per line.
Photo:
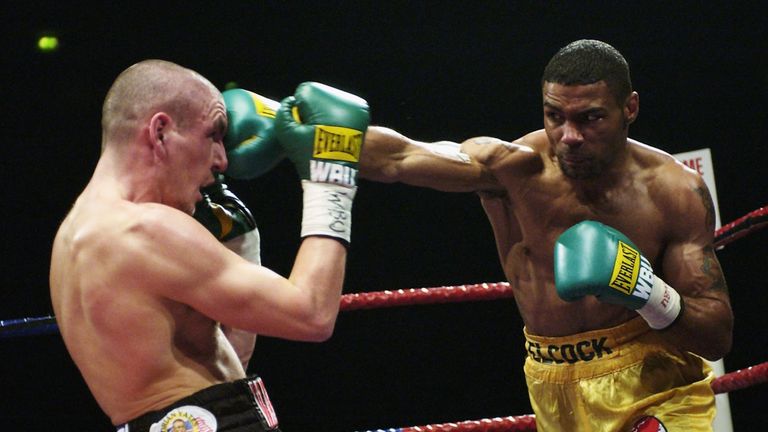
x=220 y=124
x=586 y=111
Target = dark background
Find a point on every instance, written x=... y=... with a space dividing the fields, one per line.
x=432 y=70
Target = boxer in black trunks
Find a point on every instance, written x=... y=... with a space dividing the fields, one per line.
x=143 y=292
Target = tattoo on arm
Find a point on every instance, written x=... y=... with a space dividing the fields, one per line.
x=710 y=266
x=709 y=206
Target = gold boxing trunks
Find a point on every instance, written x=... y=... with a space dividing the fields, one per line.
x=623 y=378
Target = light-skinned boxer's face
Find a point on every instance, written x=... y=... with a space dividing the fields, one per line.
x=587 y=128
x=199 y=152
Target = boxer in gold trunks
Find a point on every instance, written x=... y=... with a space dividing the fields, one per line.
x=606 y=243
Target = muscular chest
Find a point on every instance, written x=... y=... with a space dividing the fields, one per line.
x=547 y=206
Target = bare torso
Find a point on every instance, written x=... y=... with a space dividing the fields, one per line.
x=538 y=208
x=137 y=350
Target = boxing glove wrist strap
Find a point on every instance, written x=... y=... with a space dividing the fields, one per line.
x=663 y=306
x=327 y=210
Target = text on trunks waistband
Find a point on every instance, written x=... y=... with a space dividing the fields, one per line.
x=584 y=350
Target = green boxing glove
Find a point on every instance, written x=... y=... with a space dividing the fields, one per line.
x=322 y=130
x=222 y=212
x=252 y=147
x=594 y=259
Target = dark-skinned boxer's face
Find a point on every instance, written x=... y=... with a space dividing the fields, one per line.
x=586 y=127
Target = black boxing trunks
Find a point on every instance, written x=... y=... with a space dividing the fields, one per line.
x=239 y=406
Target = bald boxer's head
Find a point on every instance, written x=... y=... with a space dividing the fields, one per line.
x=148 y=87
x=164 y=124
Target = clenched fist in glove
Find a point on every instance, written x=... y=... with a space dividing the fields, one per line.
x=250 y=142
x=322 y=130
x=594 y=259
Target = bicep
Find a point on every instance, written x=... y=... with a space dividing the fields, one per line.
x=690 y=262
x=181 y=261
x=251 y=297
x=694 y=271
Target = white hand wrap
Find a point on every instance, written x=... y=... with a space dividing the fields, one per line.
x=663 y=306
x=327 y=210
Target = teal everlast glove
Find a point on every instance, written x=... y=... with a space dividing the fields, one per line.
x=594 y=259
x=222 y=212
x=252 y=147
x=322 y=130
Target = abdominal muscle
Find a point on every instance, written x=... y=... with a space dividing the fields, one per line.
x=544 y=313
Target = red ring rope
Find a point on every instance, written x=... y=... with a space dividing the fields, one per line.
x=742 y=226
x=739 y=379
x=444 y=294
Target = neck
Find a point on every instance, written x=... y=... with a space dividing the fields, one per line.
x=126 y=177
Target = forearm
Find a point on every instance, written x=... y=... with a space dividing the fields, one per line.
x=319 y=272
x=701 y=324
x=383 y=151
x=390 y=157
x=689 y=306
x=328 y=169
x=704 y=327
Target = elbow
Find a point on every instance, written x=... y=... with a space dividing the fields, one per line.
x=719 y=345
x=317 y=324
x=707 y=329
x=322 y=335
x=713 y=355
x=719 y=349
x=724 y=342
x=320 y=330
x=313 y=315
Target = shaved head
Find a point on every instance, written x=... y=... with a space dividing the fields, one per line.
x=146 y=88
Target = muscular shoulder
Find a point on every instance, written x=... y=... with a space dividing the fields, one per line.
x=156 y=244
x=495 y=153
x=127 y=226
x=169 y=231
x=665 y=173
x=679 y=192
